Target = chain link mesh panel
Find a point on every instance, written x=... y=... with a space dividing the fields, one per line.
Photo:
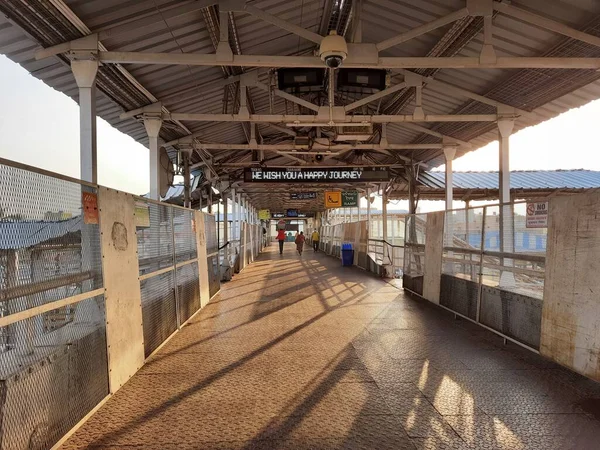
x=214 y=275
x=159 y=310
x=210 y=225
x=154 y=229
x=51 y=378
x=188 y=290
x=49 y=248
x=414 y=253
x=185 y=235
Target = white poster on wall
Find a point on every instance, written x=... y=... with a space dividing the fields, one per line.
x=537 y=215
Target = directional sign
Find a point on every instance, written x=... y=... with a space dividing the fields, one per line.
x=537 y=215
x=303 y=195
x=299 y=215
x=333 y=199
x=349 y=198
x=292 y=213
x=319 y=175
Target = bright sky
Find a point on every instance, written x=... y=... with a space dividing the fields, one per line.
x=39 y=126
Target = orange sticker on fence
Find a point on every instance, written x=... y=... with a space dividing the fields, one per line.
x=90 y=208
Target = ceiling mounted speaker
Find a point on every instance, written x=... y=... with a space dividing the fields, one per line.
x=361 y=80
x=166 y=172
x=300 y=79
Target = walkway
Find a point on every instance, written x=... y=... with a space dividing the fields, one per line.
x=300 y=353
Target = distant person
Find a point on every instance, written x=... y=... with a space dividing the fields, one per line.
x=281 y=239
x=315 y=240
x=300 y=238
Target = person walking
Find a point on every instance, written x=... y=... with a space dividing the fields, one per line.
x=281 y=239
x=300 y=242
x=315 y=240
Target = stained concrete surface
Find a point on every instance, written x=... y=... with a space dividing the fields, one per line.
x=298 y=352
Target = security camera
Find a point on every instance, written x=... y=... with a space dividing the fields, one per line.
x=333 y=50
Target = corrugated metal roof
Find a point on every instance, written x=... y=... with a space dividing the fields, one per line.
x=24 y=234
x=28 y=25
x=525 y=180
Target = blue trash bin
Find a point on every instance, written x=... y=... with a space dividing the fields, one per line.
x=347 y=255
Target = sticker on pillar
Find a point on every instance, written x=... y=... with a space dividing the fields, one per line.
x=349 y=198
x=264 y=214
x=142 y=215
x=537 y=215
x=333 y=199
x=90 y=208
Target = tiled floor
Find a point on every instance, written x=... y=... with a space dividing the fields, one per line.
x=300 y=353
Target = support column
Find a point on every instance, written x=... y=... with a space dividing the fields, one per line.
x=84 y=71
x=368 y=212
x=506 y=237
x=384 y=214
x=186 y=180
x=449 y=154
x=153 y=124
x=225 y=231
x=233 y=220
x=239 y=218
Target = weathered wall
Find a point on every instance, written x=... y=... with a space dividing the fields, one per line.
x=124 y=332
x=434 y=230
x=571 y=310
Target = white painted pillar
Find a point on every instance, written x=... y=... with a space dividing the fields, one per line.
x=449 y=153
x=233 y=219
x=368 y=212
x=187 y=200
x=84 y=71
x=505 y=128
x=238 y=217
x=384 y=215
x=153 y=124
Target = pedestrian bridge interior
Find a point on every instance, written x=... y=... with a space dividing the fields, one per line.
x=301 y=353
x=131 y=321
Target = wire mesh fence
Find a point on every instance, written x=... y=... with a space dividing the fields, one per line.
x=54 y=365
x=159 y=310
x=188 y=290
x=184 y=230
x=49 y=250
x=154 y=230
x=51 y=378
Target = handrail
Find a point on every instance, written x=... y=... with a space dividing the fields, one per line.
x=386 y=242
x=510 y=255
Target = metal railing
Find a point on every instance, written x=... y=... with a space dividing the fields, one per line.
x=493 y=267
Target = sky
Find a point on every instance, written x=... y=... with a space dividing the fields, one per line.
x=40 y=126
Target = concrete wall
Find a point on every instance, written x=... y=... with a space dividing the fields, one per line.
x=434 y=230
x=571 y=310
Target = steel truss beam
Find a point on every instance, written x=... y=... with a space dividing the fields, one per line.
x=306 y=120
x=502 y=62
x=316 y=148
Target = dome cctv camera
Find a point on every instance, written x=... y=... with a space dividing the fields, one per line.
x=333 y=50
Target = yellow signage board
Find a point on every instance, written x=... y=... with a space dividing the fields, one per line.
x=333 y=199
x=142 y=215
x=264 y=214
